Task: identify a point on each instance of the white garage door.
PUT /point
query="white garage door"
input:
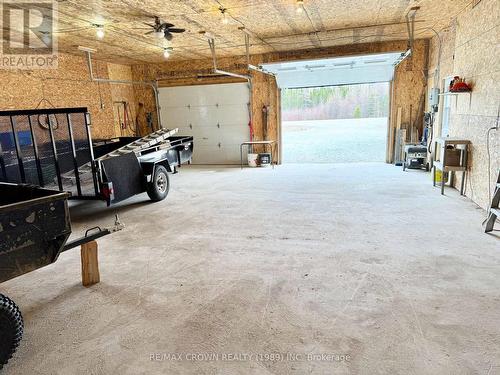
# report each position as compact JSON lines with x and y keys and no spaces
{"x":215,"y":115}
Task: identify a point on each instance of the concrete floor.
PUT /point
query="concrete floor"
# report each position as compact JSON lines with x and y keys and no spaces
{"x":347,"y":260}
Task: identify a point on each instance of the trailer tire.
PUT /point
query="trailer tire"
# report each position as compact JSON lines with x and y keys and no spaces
{"x":11,"y":329}
{"x":158,"y":187}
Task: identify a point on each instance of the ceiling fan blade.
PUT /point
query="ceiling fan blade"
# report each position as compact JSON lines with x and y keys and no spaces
{"x":168,"y":36}
{"x":148,"y":24}
{"x":149,"y":32}
{"x":167,"y":25}
{"x":175,"y":30}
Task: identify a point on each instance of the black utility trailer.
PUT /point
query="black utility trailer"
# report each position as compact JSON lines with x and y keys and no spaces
{"x":53,"y":148}
{"x":34,"y":229}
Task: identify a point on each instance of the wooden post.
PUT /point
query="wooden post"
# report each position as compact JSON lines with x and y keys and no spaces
{"x":90,"y":264}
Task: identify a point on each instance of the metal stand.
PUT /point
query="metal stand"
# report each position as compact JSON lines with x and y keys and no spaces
{"x":443,"y":165}
{"x":270,"y":144}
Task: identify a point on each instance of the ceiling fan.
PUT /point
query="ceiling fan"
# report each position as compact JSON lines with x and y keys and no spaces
{"x":163,"y":29}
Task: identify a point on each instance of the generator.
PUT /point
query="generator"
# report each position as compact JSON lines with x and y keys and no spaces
{"x":265,"y":159}
{"x":415,"y":157}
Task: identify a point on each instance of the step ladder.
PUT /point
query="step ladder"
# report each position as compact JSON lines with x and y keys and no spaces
{"x":151,"y":140}
{"x":494,"y":212}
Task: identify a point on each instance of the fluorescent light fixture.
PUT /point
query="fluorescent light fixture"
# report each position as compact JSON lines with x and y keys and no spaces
{"x":287,"y":69}
{"x":159,"y":34}
{"x":344,"y":64}
{"x":87,"y":49}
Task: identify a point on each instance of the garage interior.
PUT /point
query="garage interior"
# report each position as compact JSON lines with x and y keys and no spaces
{"x":360,"y":268}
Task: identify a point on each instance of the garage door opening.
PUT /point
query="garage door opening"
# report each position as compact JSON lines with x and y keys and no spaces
{"x":335,"y":110}
{"x":335,"y":124}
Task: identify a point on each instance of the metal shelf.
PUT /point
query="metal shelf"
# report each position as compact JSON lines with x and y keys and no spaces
{"x":455,"y":93}
{"x":449,"y":168}
{"x":440,"y":163}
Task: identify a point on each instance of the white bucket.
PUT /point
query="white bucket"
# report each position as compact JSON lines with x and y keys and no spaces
{"x":253,"y":160}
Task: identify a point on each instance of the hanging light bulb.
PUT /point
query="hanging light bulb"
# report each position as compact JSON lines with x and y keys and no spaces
{"x":225,"y":19}
{"x":99,"y":31}
{"x":166,"y":52}
{"x":299,"y":6}
{"x":159,"y":34}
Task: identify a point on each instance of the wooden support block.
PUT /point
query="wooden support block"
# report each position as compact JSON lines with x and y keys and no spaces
{"x":90,"y":264}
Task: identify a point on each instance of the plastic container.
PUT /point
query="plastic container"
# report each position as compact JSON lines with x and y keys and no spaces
{"x":439,"y":176}
{"x":253,"y":160}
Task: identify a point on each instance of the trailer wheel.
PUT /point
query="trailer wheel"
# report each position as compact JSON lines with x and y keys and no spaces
{"x":11,"y":329}
{"x":158,"y":187}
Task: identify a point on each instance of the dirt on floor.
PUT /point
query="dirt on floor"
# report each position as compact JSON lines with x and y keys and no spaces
{"x":315,"y":269}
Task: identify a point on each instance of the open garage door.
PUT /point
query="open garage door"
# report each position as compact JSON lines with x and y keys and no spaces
{"x":335,"y":124}
{"x":348,"y":70}
{"x":335,"y":110}
{"x":215,"y":115}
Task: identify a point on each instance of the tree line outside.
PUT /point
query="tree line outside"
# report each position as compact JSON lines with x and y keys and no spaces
{"x":336,"y":102}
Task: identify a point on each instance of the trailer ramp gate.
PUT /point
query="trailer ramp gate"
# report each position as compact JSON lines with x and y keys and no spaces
{"x":45,"y":147}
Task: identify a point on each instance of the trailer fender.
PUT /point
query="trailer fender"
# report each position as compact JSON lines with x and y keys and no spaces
{"x":148,"y":168}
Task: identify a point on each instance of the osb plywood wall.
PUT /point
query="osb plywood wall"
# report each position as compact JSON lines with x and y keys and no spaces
{"x":123,"y":97}
{"x":70,"y":86}
{"x":409,"y":81}
{"x":470,"y":49}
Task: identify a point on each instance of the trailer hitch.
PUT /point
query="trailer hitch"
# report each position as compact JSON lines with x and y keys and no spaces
{"x":94,"y":233}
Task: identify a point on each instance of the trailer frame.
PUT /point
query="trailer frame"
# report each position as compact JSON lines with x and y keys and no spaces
{"x":68,"y":159}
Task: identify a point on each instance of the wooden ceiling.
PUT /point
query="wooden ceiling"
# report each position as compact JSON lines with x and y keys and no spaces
{"x":275,"y":25}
